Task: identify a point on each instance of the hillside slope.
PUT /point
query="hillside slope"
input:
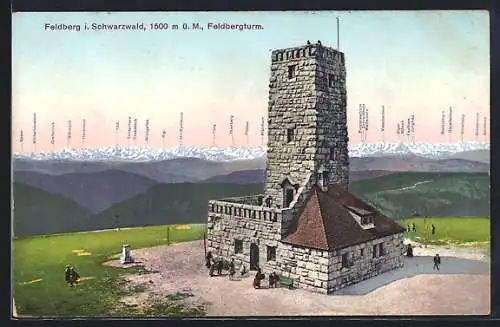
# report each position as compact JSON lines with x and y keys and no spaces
{"x":94,"y":191}
{"x":433,"y":194}
{"x":38,"y":212}
{"x":168,"y":203}
{"x":256,"y":176}
{"x":396,"y":194}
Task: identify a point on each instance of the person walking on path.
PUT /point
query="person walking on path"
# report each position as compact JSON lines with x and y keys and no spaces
{"x":437,"y":262}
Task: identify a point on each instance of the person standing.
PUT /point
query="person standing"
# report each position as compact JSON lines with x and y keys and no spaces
{"x":413,"y":227}
{"x":433,"y":229}
{"x":259,"y":276}
{"x":220,"y":266}
{"x":232,"y":269}
{"x":208,"y":259}
{"x":437,"y":261}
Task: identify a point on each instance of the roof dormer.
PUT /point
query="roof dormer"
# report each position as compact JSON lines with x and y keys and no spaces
{"x":363,"y":217}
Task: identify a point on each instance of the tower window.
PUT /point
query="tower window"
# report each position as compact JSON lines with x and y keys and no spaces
{"x":333,"y":154}
{"x":290,"y":134}
{"x":291,"y":71}
{"x":331,"y":80}
{"x":288,"y":197}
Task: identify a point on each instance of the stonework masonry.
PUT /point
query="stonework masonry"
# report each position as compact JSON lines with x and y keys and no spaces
{"x":307,"y":145}
{"x":364,"y":265}
{"x":307,"y":96}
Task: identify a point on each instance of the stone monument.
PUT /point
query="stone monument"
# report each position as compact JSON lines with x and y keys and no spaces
{"x":126,"y":257}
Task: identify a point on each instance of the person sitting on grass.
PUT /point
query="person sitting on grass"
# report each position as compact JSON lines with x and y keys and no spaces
{"x":67,"y":274}
{"x":259,"y":276}
{"x":74,"y":277}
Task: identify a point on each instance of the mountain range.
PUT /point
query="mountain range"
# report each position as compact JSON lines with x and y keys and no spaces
{"x":97,"y":185}
{"x":65,"y":195}
{"x":396,"y":194}
{"x":117,"y":153}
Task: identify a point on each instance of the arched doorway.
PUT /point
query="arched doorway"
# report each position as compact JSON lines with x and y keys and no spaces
{"x":254,"y":256}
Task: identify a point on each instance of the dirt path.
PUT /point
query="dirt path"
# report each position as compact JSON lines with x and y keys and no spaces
{"x":462,"y":286}
{"x":408,"y":187}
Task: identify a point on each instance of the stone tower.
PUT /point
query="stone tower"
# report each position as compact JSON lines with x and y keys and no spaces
{"x":307,"y":120}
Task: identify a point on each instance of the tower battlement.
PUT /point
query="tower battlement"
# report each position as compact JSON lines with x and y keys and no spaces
{"x":314,"y":51}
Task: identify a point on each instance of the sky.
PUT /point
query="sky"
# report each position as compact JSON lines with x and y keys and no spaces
{"x":419,"y":62}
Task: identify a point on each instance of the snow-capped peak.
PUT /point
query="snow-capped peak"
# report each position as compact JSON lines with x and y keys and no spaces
{"x":430,"y":150}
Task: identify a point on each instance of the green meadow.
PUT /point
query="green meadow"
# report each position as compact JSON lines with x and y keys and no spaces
{"x":38,"y":272}
{"x":455,"y":231}
{"x":39,"y":261}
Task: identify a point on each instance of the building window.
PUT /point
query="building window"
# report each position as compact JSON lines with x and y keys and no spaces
{"x":365,"y":220}
{"x":381,"y":249}
{"x":288,"y":193}
{"x":346,"y":260}
{"x":362,"y":252}
{"x":375,"y":251}
{"x":271,"y":253}
{"x":331,"y":80}
{"x":238,"y":246}
{"x":291,"y":71}
{"x":290,"y":133}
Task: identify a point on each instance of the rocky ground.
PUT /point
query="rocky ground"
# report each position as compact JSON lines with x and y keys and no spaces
{"x":462,"y":286}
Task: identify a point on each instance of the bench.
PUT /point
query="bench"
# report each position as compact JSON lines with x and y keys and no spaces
{"x":286,"y":281}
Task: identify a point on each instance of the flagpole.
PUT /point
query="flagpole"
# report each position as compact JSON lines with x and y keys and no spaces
{"x":338,"y":34}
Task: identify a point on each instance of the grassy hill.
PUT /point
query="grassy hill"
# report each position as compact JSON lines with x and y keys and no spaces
{"x":38,"y":272}
{"x":39,"y":212}
{"x":432,"y":194}
{"x":397,"y":195}
{"x":94,"y":191}
{"x":454,"y":231}
{"x":168,"y":204}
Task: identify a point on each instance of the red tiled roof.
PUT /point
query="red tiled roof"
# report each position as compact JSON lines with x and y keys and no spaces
{"x":324,"y":221}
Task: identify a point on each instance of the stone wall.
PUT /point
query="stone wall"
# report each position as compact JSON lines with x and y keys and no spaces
{"x":314,"y":109}
{"x":332,"y":136}
{"x":364,"y":266}
{"x":228,"y":221}
{"x":309,"y":267}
